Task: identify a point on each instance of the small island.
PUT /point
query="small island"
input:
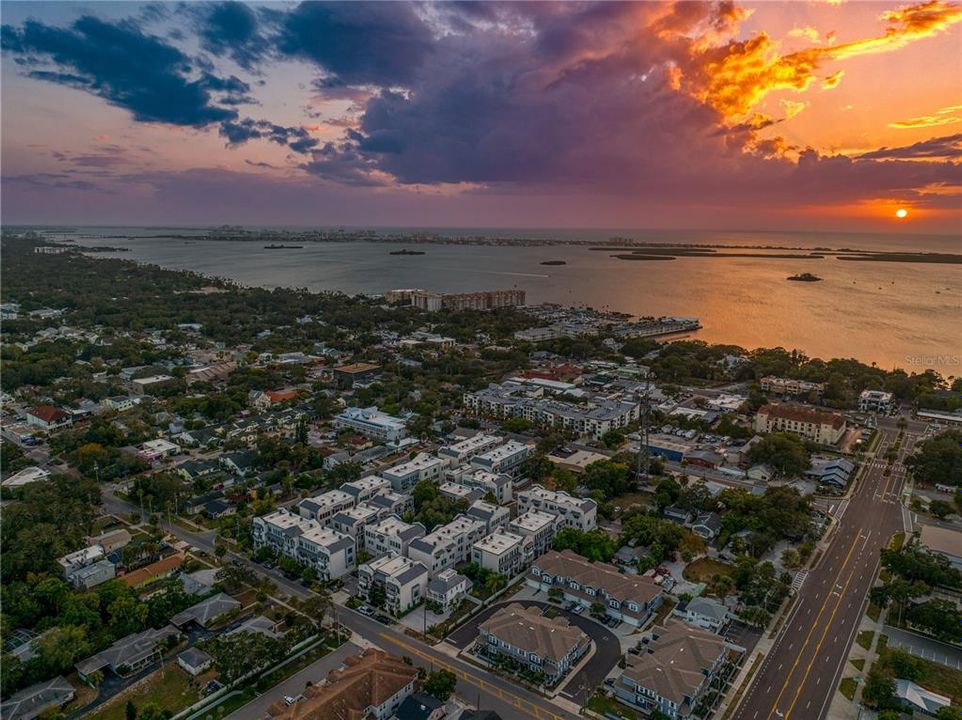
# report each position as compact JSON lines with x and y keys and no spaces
{"x":554,"y":262}
{"x":407,"y":252}
{"x":805,"y":277}
{"x":283,"y":247}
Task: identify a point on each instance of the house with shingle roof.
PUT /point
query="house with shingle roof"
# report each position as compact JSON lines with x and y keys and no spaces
{"x":128,"y":654}
{"x":547,"y":645}
{"x":631,"y":598}
{"x":371,"y":685}
{"x":676,"y":671}
{"x":206,"y":611}
{"x":37,"y":699}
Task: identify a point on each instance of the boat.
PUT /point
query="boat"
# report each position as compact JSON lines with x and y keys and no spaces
{"x":283,"y":247}
{"x":805,"y":277}
{"x":553,"y":262}
{"x":407,"y":252}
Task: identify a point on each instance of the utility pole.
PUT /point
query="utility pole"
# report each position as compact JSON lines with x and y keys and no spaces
{"x":644,"y":460}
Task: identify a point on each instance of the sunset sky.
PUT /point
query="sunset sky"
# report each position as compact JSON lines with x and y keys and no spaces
{"x":767,"y":115}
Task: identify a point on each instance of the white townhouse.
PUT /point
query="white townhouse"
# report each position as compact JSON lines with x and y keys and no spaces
{"x":447,"y":545}
{"x":325,"y":506}
{"x":507,"y":459}
{"x":461,"y":452}
{"x":499,"y":552}
{"x":406,"y":475}
{"x":577,"y":513}
{"x":391,"y":535}
{"x":405,"y":581}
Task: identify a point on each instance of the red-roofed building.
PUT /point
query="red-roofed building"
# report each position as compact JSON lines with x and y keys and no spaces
{"x":824,"y":428}
{"x":270,"y":398}
{"x":47,"y":417}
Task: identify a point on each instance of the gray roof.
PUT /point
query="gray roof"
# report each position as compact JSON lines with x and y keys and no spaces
{"x":206,"y":610}
{"x":412,"y":573}
{"x":706,"y":607}
{"x":441,"y":585}
{"x":195,"y":657}
{"x":258,"y":624}
{"x":32,"y":701}
{"x":926,"y":700}
{"x":127,"y":651}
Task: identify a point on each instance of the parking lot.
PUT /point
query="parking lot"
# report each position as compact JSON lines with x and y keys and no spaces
{"x":738,"y":633}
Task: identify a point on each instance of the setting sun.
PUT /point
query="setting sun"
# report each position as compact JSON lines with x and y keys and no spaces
{"x":901,"y":213}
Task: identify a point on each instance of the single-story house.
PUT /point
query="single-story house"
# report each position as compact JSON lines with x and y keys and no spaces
{"x":918,"y":698}
{"x":194,"y":661}
{"x":37,"y":700}
{"x":129,"y":654}
{"x":206,"y":612}
{"x":707,"y":526}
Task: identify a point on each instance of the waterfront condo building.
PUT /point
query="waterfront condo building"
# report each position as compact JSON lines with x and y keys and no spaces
{"x":820,"y":427}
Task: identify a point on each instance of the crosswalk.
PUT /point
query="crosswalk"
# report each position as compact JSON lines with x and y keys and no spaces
{"x":799,"y":578}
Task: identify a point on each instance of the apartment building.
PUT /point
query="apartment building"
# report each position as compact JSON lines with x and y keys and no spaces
{"x":594,"y":417}
{"x":507,"y":459}
{"x":406,"y":475}
{"x":501,"y":552}
{"x":631,"y":598}
{"x":447,"y":545}
{"x":352,"y":522}
{"x":330,"y":553}
{"x":577,"y":513}
{"x":674,"y":672}
{"x":404,"y":581}
{"x":460,"y":492}
{"x":462,"y":452}
{"x":820,"y":427}
{"x":371,"y":423}
{"x":279,"y":531}
{"x":391,"y":535}
{"x":371,"y":685}
{"x":366,"y":488}
{"x":546,"y":645}
{"x":493,"y":516}
{"x":790,"y":386}
{"x":325,"y":506}
{"x":538,"y":529}
{"x":447,"y":588}
{"x":499,"y":485}
{"x":875,"y":401}
{"x":392,"y":503}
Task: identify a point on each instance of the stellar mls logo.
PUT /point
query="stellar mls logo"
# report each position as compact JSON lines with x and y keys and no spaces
{"x":933,"y":360}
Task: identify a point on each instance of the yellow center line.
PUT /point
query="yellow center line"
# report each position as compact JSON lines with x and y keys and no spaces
{"x":519,"y":702}
{"x":821,"y":640}
{"x":808,"y":637}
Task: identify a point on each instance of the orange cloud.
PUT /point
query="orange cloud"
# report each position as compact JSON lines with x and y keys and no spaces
{"x":941,"y":117}
{"x":832,"y":80}
{"x":808,"y":33}
{"x":734,"y":77}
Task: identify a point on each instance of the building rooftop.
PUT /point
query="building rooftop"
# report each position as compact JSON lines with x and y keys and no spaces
{"x":802,"y":414}
{"x":598,"y":575}
{"x":529,"y":630}
{"x":499,"y":542}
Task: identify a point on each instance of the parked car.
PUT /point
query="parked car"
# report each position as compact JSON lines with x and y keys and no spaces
{"x":578,"y":610}
{"x":289,"y":700}
{"x":366,"y":610}
{"x":384,"y":619}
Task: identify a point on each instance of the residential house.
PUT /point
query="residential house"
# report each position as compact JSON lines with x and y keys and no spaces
{"x":40,"y":699}
{"x":325,"y":506}
{"x":165,"y":567}
{"x":111,"y":540}
{"x":129,"y":654}
{"x":207,"y":612}
{"x":919,"y":699}
{"x":421,"y":706}
{"x":464,"y":450}
{"x":875,"y":401}
{"x":447,"y":545}
{"x":707,"y":526}
{"x":507,"y":459}
{"x":538,"y":529}
{"x":352,"y":521}
{"x":194,"y":661}
{"x":329,"y":552}
{"x":545,"y":645}
{"x":761,"y":472}
{"x":460,"y":492}
{"x":493,"y":516}
{"x":366,"y":488}
{"x":47,"y":417}
{"x":835,"y":472}
{"x":447,"y":588}
{"x":500,"y":486}
{"x":404,"y":476}
{"x":704,"y":613}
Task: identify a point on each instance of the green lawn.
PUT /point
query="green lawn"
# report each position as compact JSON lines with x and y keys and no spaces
{"x":874,"y":611}
{"x":602,"y":704}
{"x":859,"y":663}
{"x":704,"y":569}
{"x":169,"y":689}
{"x":847,"y":687}
{"x":864,"y":638}
{"x":935,"y":677}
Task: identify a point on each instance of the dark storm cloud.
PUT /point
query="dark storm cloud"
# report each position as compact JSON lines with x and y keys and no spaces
{"x":381,"y":43}
{"x":241,"y":131}
{"x":235,"y":30}
{"x":128,"y":68}
{"x":948,"y":147}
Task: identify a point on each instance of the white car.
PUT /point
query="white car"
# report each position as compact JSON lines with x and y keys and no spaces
{"x":288,"y":700}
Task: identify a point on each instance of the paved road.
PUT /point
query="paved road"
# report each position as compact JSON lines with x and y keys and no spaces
{"x":476,"y":686}
{"x":295,"y":684}
{"x":924,"y":647}
{"x":799,"y":676}
{"x":583,"y":684}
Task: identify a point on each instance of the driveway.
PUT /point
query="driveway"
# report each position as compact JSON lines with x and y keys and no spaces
{"x":582,"y":685}
{"x":924,"y":647}
{"x":295,"y":684}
